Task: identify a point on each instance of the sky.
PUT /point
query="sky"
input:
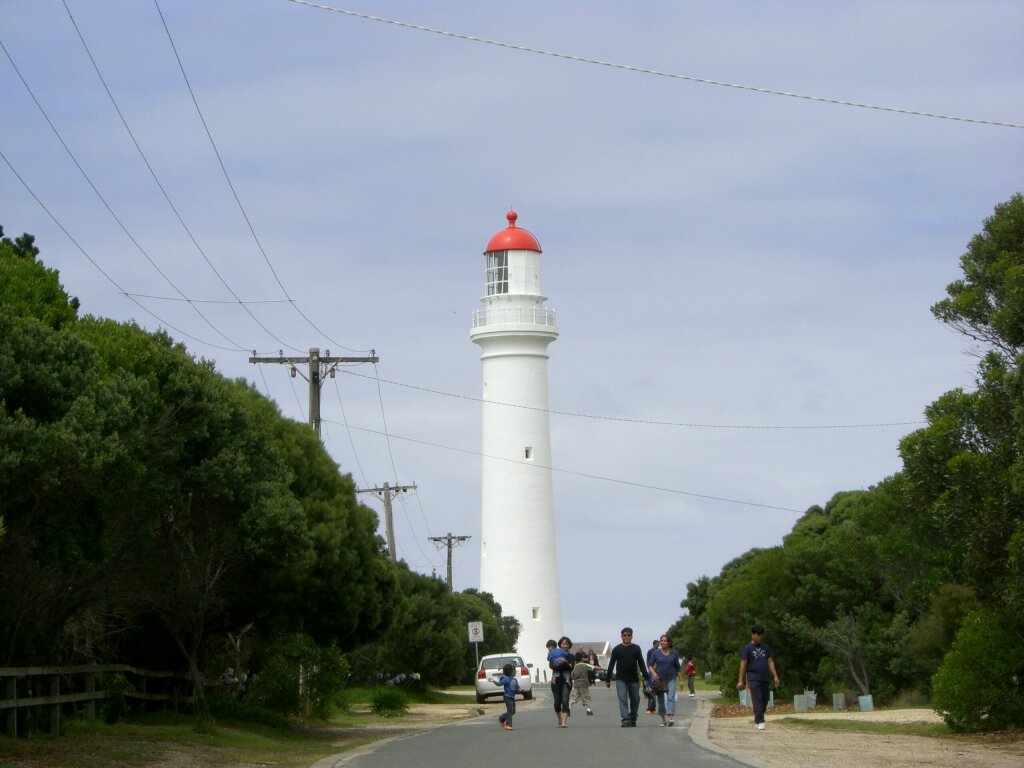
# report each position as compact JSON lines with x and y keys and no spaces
{"x":742,"y":279}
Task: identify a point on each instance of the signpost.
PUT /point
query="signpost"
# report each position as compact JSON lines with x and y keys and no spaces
{"x":476,"y":635}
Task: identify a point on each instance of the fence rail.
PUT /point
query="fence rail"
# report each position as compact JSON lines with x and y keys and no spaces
{"x":175,"y":688}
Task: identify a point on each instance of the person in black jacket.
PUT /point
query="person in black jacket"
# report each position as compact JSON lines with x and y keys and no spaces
{"x":627,"y":664}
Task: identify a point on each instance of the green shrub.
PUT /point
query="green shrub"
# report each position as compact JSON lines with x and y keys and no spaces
{"x":115,"y":707}
{"x":301,"y":678}
{"x":980,"y":684}
{"x":389,"y":701}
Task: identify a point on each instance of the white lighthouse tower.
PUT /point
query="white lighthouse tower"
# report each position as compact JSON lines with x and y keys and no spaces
{"x":514,"y":329}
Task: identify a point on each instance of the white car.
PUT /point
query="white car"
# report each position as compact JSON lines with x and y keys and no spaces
{"x":490,"y":670}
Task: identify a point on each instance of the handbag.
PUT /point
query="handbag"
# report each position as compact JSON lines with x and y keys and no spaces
{"x":659,"y":686}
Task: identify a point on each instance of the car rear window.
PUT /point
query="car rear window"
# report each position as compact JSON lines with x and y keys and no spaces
{"x":500,"y":662}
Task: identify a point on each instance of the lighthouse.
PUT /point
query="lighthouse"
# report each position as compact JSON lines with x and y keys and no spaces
{"x":517,"y":552}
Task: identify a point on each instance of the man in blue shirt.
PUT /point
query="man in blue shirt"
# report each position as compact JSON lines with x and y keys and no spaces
{"x":755,"y":663}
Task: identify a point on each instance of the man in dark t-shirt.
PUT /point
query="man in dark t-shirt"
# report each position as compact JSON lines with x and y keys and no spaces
{"x":755,"y":664}
{"x":627,"y":664}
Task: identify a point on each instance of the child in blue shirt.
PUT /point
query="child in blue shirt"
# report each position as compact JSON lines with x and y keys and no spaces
{"x":511,"y":684}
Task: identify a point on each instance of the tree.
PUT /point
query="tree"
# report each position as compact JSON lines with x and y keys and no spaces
{"x":987,"y":304}
{"x":980,"y":685}
{"x":500,"y":632}
{"x":690,"y":634}
{"x":60,"y":452}
{"x":932,"y":636}
{"x":31,"y":289}
{"x":426,"y":634}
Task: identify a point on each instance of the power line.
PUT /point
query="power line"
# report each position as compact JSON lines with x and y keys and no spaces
{"x":163,"y":191}
{"x":231,"y":186}
{"x":587,"y":475}
{"x":652,"y":422}
{"x":405,"y":510}
{"x":655,"y":72}
{"x":107,"y":205}
{"x":206,"y":301}
{"x":95,"y":264}
{"x":351,"y":442}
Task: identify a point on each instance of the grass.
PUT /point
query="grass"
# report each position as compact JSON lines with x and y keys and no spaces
{"x":863,"y":726}
{"x":147,"y":739}
{"x":141,"y":743}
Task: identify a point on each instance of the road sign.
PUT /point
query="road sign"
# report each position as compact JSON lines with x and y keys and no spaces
{"x":476,"y":631}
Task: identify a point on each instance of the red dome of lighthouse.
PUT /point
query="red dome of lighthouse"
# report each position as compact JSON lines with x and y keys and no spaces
{"x":513,"y":238}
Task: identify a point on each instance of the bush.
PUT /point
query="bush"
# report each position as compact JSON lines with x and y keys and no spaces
{"x":301,"y":678}
{"x":980,"y":684}
{"x":115,"y":707}
{"x":389,"y":701}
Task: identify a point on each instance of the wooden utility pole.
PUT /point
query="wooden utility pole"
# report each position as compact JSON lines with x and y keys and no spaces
{"x":450,"y":542}
{"x":386,"y":493}
{"x":319,"y":368}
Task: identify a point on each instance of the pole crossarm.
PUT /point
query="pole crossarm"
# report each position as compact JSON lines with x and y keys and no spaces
{"x":386,"y":493}
{"x":450,"y":542}
{"x":320,"y":367}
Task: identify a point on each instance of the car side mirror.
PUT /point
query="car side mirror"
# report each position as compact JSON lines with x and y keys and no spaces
{"x":530,"y":666}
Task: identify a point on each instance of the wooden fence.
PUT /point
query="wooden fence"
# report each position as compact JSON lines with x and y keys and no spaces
{"x":27,"y":687}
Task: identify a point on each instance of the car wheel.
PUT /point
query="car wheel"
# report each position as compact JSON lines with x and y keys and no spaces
{"x":527,"y":695}
{"x":480,"y":699}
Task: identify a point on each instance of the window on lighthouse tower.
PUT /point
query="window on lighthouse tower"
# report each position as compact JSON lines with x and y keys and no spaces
{"x":497,"y":273}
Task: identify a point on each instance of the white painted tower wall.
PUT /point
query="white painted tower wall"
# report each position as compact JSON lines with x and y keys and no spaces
{"x":518,"y":557}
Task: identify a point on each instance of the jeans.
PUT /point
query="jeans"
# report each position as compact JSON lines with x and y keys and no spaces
{"x":510,"y":709}
{"x":758,"y":697}
{"x":667,"y":700}
{"x":562,"y":689}
{"x":629,"y":700}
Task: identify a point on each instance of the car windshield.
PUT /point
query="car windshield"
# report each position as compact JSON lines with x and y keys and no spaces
{"x":500,"y":661}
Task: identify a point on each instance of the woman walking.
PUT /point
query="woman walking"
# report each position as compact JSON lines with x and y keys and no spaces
{"x":561,"y":661}
{"x":665,"y":666}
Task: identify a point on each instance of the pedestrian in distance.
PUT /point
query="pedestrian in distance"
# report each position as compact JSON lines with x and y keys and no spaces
{"x":510,"y":683}
{"x":691,"y":673}
{"x":561,"y":661}
{"x":648,"y":692}
{"x":756,"y":662}
{"x":594,"y":663}
{"x":665,"y":666}
{"x":628,"y":665}
{"x":581,"y":675}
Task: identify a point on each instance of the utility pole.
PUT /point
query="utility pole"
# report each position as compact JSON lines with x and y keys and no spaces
{"x":450,"y":542}
{"x":319,"y":369}
{"x":386,"y":493}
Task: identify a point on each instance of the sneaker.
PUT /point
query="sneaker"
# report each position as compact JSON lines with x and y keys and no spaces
{"x":693,"y":695}
{"x":671,"y":723}
{"x":624,"y":725}
{"x":760,"y":726}
{"x":590,"y":712}
{"x":661,"y":724}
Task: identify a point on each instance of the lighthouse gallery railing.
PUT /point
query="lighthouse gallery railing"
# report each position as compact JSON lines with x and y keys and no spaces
{"x":510,"y":315}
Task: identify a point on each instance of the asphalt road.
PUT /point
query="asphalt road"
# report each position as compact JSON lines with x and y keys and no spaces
{"x":536,"y":742}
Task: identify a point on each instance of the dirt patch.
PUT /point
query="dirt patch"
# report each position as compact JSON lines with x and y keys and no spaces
{"x":793,"y":745}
